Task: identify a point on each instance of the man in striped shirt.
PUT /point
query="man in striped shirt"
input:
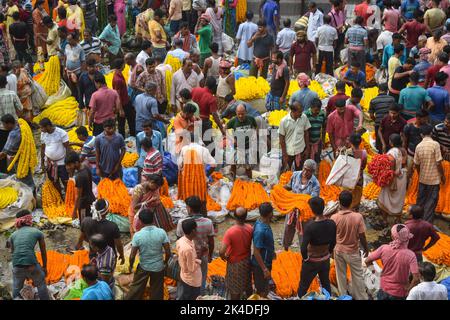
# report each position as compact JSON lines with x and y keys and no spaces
{"x":441,"y":134}
{"x":105,"y":258}
{"x":153,"y":163}
{"x":379,"y":108}
{"x":91,"y":46}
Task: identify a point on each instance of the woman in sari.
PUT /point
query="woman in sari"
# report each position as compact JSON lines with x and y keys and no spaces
{"x":147,"y":196}
{"x":24,"y":90}
{"x":392,"y":196}
{"x":215,"y":14}
{"x":39,"y":28}
{"x":75,"y":18}
{"x":119,"y":11}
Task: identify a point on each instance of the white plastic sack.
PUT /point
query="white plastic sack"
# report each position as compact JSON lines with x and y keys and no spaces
{"x":344,"y":55}
{"x":372,"y":278}
{"x":227,"y":42}
{"x":170,"y":143}
{"x":345,"y":172}
{"x":24,"y":200}
{"x":381,"y":76}
{"x":63,"y":93}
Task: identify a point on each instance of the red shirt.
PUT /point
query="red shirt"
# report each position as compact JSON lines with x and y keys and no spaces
{"x":389,"y":127}
{"x":239,"y":242}
{"x":303,"y":54}
{"x":413,"y":30}
{"x":120,"y":85}
{"x":422,"y":230}
{"x":431,"y":73}
{"x":63,"y":23}
{"x":102,"y":103}
{"x":363,"y":10}
{"x":331,"y":105}
{"x":207,"y":103}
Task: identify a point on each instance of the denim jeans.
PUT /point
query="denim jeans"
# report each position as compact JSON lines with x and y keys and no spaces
{"x":204,"y":268}
{"x":186,"y":292}
{"x":36,"y":274}
{"x":381,"y":295}
{"x":428,"y":198}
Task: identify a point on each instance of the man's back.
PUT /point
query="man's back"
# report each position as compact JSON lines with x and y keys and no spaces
{"x":205,"y":229}
{"x":428,"y":291}
{"x":99,"y":291}
{"x":108,"y":229}
{"x":349,"y":225}
{"x":24,"y":240}
{"x":150,"y":240}
{"x":422,"y":230}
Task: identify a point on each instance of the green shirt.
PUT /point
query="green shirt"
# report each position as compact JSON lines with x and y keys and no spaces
{"x":317,"y":125}
{"x":24,"y":240}
{"x":150,"y":240}
{"x":204,"y":42}
{"x":241,"y":129}
{"x":413,"y":97}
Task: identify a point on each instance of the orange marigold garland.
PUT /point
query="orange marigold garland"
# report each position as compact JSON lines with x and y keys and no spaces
{"x":371,"y":191}
{"x":285,"y":177}
{"x":328,"y":193}
{"x":192,"y":179}
{"x":164,"y":190}
{"x":52,"y":203}
{"x":167,"y":202}
{"x":285,"y":202}
{"x":212,"y":205}
{"x":117,"y":195}
{"x":440,"y":252}
{"x":247,"y":194}
{"x":57,"y":263}
{"x":70,"y":196}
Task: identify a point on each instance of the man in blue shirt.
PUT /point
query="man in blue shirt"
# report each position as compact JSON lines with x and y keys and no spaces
{"x":354,"y":77}
{"x":388,"y":51}
{"x":271,"y":15}
{"x":263,"y":250}
{"x":151,"y":242}
{"x":408,"y":7}
{"x":440,"y":98}
{"x":304,"y":96}
{"x":97,"y":289}
{"x":156,"y":142}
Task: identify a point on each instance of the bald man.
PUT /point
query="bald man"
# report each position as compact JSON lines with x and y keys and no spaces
{"x":244,"y":130}
{"x":236,"y":250}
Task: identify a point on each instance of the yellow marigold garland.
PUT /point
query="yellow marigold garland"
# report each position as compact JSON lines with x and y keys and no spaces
{"x":51,"y":77}
{"x":250,"y":88}
{"x":62,"y":113}
{"x":73,"y":137}
{"x":8,"y":196}
{"x":129,"y":159}
{"x":26,"y":155}
{"x":274,"y":117}
{"x":52,"y":203}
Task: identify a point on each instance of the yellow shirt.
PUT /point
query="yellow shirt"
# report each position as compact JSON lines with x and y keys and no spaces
{"x":154,"y":27}
{"x":9,"y":19}
{"x":393,"y":64}
{"x":52,"y":49}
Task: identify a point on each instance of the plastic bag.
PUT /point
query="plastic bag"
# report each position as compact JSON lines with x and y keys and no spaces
{"x":446,"y":283}
{"x":38,"y":97}
{"x":24,"y":201}
{"x":381,"y":76}
{"x":76,"y":291}
{"x":344,"y":55}
{"x":324,"y":295}
{"x":130,"y":177}
{"x":227,"y":42}
{"x":122,"y":222}
{"x":345,"y":172}
{"x":63,"y":93}
{"x":170,"y":169}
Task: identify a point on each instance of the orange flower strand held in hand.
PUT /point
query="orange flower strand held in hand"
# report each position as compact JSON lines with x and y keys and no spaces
{"x":285,"y":177}
{"x":70,"y":196}
{"x":328,"y":193}
{"x":285,"y":202}
{"x":117,"y":195}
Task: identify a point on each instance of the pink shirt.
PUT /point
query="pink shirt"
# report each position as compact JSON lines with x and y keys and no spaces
{"x":397,"y":265}
{"x":190,"y":271}
{"x":349,"y":225}
{"x":342,"y":127}
{"x":102,"y":103}
{"x":391,"y":17}
{"x":337,"y":18}
{"x":446,"y":69}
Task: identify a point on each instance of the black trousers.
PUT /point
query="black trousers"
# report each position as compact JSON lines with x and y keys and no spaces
{"x":328,"y":57}
{"x":130,"y":117}
{"x":309,"y":271}
{"x":339,"y":47}
{"x":3,"y":138}
{"x":23,"y":55}
{"x":162,"y":107}
{"x":378,"y":144}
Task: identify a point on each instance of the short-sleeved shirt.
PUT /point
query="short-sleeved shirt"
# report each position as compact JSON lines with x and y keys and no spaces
{"x":391,"y":17}
{"x":110,"y":151}
{"x":113,"y":36}
{"x":397,"y":266}
{"x":400,"y":83}
{"x":146,"y":106}
{"x":408,"y":7}
{"x":262,"y":46}
{"x":349,"y":225}
{"x":413,"y":30}
{"x":302,"y":54}
{"x":356,"y":36}
{"x":99,"y":291}
{"x":317,"y":125}
{"x":242,"y":129}
{"x":305,"y":97}
{"x":277,"y":85}
{"x":150,"y":240}
{"x":75,"y":56}
{"x":440,"y":98}
{"x":153,"y":163}
{"x":331,"y":105}
{"x":342,"y":127}
{"x":24,"y":240}
{"x":422,"y":231}
{"x":326,"y":35}
{"x":380,"y":106}
{"x":108,"y":229}
{"x":54,"y":145}
{"x":294,"y":133}
{"x":88,"y":150}
{"x":414,"y":136}
{"x":18,"y":32}
{"x":363,"y":10}
{"x":154,"y":27}
{"x":427,"y":155}
{"x":312,"y":187}
{"x":442,"y":135}
{"x":156,"y":143}
{"x":120,"y":85}
{"x":102,"y":103}
{"x":263,"y":240}
{"x":87,"y":87}
{"x":52,"y":49}
{"x":205,"y":40}
{"x":436,"y":18}
{"x":238,"y":239}
{"x":389,"y":127}
{"x":428,"y":290}
{"x":83,"y":180}
{"x":205,"y":229}
{"x":413,"y":97}
{"x":106,"y":262}
{"x":205,"y":100}
{"x":270,"y":11}
{"x":359,"y":78}
{"x":92,"y":47}
{"x":12,"y":145}
{"x":393,"y":64}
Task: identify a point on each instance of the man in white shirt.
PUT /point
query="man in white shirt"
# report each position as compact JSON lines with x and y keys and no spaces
{"x":245,"y":32}
{"x":10,"y":77}
{"x":285,"y":38}
{"x":326,"y":42}
{"x":145,"y":53}
{"x":383,"y":40}
{"x":428,"y":289}
{"x":54,"y":147}
{"x":314,"y":22}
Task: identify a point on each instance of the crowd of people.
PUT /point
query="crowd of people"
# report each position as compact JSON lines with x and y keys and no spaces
{"x":410,"y":114}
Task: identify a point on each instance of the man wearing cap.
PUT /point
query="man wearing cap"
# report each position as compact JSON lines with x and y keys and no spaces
{"x":303,"y":53}
{"x":204,"y":30}
{"x":226,"y":84}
